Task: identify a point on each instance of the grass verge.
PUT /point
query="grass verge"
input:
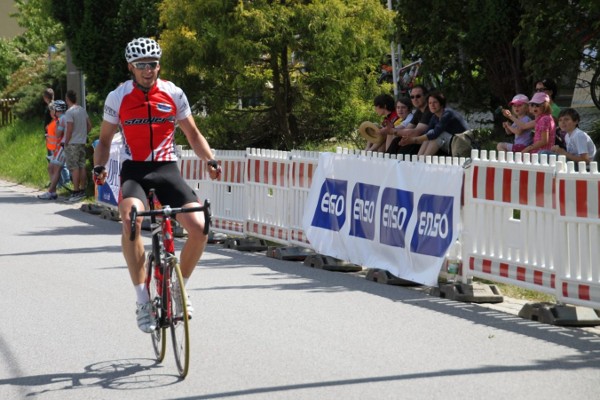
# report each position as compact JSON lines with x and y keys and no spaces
{"x":23,"y":153}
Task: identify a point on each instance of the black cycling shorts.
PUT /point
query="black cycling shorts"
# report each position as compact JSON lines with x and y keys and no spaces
{"x":138,"y":177}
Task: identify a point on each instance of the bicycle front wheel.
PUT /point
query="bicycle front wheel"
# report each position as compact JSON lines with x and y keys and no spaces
{"x":153,"y":285}
{"x":180,"y":332}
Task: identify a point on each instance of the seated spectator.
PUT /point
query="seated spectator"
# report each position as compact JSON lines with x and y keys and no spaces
{"x":545,"y":127}
{"x":580,"y":146}
{"x":404,"y":109}
{"x":444,"y":124}
{"x":417,"y":125}
{"x":521,"y":126}
{"x":548,"y":86}
{"x":384,"y":106}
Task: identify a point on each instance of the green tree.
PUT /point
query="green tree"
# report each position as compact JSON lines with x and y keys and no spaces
{"x":98,"y":31}
{"x":41,"y":29}
{"x":276,"y":74}
{"x":486,"y":50}
{"x":26,"y":67}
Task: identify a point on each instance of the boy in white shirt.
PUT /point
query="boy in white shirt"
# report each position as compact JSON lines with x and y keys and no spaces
{"x":580,"y":146}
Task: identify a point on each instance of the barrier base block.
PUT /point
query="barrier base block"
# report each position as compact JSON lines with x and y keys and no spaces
{"x":246,"y":244}
{"x":330,"y":263}
{"x":216,"y":237}
{"x":92,"y":208}
{"x":178,"y":230}
{"x":560,"y":314}
{"x":475,"y":292}
{"x":292,"y":253}
{"x":387,"y":278}
{"x":110,"y":214}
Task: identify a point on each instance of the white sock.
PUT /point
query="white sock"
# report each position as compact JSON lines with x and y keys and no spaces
{"x":141,"y":293}
{"x":185,"y":281}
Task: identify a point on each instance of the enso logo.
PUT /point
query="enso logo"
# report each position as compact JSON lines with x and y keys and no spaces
{"x":331,"y":208}
{"x":364,"y":202}
{"x":434,"y":225}
{"x":396,"y":208}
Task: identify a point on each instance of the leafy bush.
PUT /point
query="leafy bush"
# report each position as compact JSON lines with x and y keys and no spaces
{"x":29,"y":81}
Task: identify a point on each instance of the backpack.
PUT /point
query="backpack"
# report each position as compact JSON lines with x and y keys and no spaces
{"x":462,"y":144}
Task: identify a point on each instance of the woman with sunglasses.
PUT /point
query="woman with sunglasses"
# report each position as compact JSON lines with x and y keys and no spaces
{"x":545,"y":127}
{"x":549,"y":87}
{"x":444,"y":124}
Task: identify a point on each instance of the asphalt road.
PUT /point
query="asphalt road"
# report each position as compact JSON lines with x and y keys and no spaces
{"x":263,"y":328}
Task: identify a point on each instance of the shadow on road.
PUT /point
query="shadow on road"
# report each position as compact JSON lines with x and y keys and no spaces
{"x":567,"y":363}
{"x":316,"y":280}
{"x":129,"y":374}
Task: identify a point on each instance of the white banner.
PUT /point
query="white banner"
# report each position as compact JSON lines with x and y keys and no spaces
{"x":380,"y":213}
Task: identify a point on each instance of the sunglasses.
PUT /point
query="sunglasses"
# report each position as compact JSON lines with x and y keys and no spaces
{"x":539,"y":90}
{"x":145,"y":64}
{"x":534,"y":105}
{"x":416,"y":96}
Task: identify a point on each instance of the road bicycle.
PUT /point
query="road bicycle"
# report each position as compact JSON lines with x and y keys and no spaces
{"x":165,"y":282}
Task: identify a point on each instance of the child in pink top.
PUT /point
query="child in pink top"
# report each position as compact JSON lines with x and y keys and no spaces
{"x":545,"y":127}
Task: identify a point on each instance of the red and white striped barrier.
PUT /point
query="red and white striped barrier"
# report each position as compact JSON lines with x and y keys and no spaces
{"x":527,"y":220}
{"x":578,"y":200}
{"x":509,"y":220}
{"x":267,"y":189}
{"x":304,"y":164}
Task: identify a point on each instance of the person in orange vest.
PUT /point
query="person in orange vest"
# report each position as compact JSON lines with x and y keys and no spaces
{"x":52,"y":141}
{"x":57,"y":161}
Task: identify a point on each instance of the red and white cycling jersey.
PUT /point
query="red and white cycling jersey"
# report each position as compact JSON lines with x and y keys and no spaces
{"x":147,"y":119}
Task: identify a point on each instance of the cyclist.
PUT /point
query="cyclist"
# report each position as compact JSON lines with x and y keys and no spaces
{"x":147,"y":108}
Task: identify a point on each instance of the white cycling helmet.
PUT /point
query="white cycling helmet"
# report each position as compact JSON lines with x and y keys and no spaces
{"x":60,"y":106}
{"x":142,"y":48}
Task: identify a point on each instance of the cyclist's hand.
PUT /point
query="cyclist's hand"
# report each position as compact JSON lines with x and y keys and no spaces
{"x":214,"y":169}
{"x":99,"y":175}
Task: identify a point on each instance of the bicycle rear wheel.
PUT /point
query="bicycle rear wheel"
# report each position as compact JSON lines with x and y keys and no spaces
{"x":153,"y":283}
{"x":180,"y":332}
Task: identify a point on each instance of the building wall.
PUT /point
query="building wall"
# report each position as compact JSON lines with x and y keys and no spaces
{"x":8,"y":25}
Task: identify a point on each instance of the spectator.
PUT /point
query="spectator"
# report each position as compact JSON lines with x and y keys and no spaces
{"x":78,"y":126}
{"x":521,"y":127}
{"x":444,"y":124}
{"x":549,"y":87}
{"x":580,"y":146}
{"x":48,"y":97}
{"x":404,"y":109}
{"x":545,"y":127}
{"x":57,"y":160}
{"x":384,"y":106}
{"x":417,"y":126}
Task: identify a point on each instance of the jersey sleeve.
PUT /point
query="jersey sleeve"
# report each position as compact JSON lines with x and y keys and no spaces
{"x":183,"y":106}
{"x":111,"y":108}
